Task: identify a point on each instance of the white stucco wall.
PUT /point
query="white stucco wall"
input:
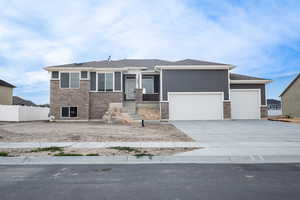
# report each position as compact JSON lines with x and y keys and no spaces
{"x":23,"y":113}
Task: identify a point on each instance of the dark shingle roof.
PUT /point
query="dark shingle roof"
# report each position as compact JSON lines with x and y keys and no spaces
{"x":149,"y":63}
{"x":273,"y":101}
{"x":6,"y":84}
{"x":19,"y":101}
{"x":243,"y":77}
{"x":288,"y":87}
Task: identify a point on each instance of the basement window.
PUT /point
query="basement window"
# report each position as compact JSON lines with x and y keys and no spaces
{"x":69,"y":111}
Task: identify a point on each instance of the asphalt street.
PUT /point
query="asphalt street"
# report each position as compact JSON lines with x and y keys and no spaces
{"x":152,"y":181}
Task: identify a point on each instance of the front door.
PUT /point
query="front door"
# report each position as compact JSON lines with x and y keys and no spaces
{"x":130,"y":85}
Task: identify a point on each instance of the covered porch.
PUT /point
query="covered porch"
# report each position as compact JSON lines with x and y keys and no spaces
{"x":141,"y":86}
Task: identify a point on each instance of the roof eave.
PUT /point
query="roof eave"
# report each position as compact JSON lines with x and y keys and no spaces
{"x":287,"y":88}
{"x":256,"y":81}
{"x":183,"y":67}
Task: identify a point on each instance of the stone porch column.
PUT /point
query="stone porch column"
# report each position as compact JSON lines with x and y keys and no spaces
{"x":227,"y":109}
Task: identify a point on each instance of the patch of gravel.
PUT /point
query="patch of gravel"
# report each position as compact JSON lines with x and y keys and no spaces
{"x":89,"y":132}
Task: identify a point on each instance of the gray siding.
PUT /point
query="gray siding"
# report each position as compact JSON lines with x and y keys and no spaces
{"x":262,"y":88}
{"x":194,"y":81}
{"x":117,"y":81}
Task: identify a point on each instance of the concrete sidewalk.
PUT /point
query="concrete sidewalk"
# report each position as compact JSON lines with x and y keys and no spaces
{"x":83,"y":160}
{"x":90,"y":145}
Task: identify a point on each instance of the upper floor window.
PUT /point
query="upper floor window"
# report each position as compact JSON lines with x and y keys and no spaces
{"x":55,"y":75}
{"x":69,"y":80}
{"x":102,"y":82}
{"x":84,"y":75}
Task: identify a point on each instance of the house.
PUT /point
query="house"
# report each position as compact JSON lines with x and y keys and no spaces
{"x":274,"y":107}
{"x":274,"y":104}
{"x":290,"y":98}
{"x":180,"y":90}
{"x":22,"y":102}
{"x":6,"y":93}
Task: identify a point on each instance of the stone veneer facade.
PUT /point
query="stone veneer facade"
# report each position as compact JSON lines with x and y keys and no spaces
{"x":226,"y":109}
{"x":164,"y":110}
{"x":90,"y":105}
{"x":99,"y":102}
{"x":70,"y":97}
{"x":263,"y":111}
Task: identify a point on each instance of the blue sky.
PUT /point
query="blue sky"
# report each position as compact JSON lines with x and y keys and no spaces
{"x":262,"y":38}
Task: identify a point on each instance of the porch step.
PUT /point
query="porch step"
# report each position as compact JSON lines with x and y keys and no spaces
{"x":129,"y":107}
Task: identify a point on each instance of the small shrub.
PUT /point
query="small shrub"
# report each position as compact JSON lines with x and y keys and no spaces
{"x":52,"y":149}
{"x":3,"y":154}
{"x":67,"y":154}
{"x":140,"y":155}
{"x":128,"y":149}
{"x":92,"y":154}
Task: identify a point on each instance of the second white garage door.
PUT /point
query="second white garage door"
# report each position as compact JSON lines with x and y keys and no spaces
{"x":245,"y":104}
{"x":196,"y":106}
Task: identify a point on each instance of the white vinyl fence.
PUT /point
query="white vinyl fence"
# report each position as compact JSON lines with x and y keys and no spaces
{"x":23,"y":113}
{"x":274,"y":112}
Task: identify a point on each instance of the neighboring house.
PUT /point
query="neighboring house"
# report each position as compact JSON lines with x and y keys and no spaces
{"x":181,"y":90}
{"x":22,"y":102}
{"x":274,"y":107}
{"x":6,"y":93}
{"x":290,"y":98}
{"x":274,"y":104}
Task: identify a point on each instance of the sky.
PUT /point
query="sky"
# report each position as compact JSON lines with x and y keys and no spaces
{"x":261,"y":38}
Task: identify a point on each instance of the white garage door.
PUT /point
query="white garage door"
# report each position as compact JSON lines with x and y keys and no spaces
{"x":195,"y":106}
{"x":245,"y":104}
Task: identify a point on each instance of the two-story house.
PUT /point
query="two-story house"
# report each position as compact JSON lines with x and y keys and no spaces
{"x":181,"y":90}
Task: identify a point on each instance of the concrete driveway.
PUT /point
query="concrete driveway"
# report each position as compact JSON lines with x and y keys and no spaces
{"x":243,"y":137}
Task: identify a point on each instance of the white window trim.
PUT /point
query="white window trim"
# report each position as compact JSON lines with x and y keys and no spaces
{"x":104,"y":82}
{"x":69,"y":80}
{"x":56,"y":79}
{"x":88,"y":75}
{"x":121,"y":89}
{"x":69,"y":112}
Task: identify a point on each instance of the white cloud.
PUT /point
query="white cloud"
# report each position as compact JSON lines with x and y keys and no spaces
{"x":38,"y":33}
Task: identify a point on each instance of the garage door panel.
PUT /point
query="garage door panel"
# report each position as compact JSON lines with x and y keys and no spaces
{"x":245,"y":104}
{"x":195,"y":106}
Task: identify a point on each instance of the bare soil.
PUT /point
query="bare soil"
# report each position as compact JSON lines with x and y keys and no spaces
{"x":89,"y":132}
{"x":100,"y":151}
{"x":285,"y":119}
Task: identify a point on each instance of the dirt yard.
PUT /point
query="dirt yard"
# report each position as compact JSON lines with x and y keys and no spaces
{"x":285,"y":119}
{"x":89,"y":132}
{"x":98,"y":152}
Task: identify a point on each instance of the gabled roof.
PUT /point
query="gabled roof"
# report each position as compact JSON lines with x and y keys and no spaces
{"x":148,"y":63}
{"x":6,"y":84}
{"x":273,"y":101}
{"x":288,"y":87}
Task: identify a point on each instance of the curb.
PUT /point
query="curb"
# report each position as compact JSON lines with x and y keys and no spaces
{"x":84,"y":160}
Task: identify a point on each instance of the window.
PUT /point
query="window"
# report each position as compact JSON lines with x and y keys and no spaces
{"x":109,"y":82}
{"x":55,"y":75}
{"x":65,"y":112}
{"x":93,"y":81}
{"x":73,"y":111}
{"x":102,"y":82}
{"x":69,"y":80}
{"x":148,"y":84}
{"x":84,"y":75}
{"x":69,"y":111}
